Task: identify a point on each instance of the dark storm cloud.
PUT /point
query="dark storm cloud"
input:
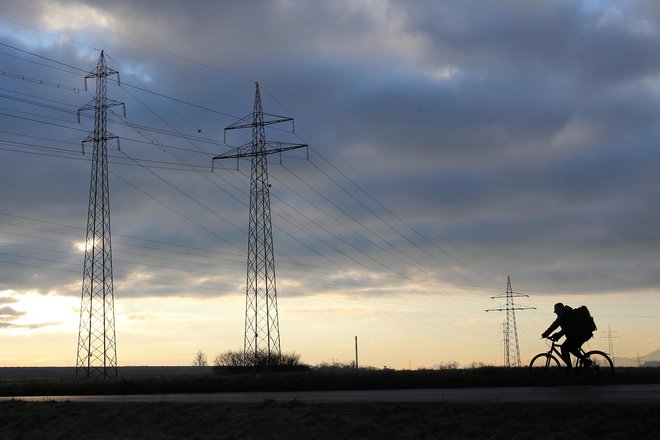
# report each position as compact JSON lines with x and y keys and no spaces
{"x":521,"y":133}
{"x":551,"y":38}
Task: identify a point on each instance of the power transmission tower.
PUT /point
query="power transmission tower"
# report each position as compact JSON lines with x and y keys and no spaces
{"x":509,"y":325}
{"x":505,"y":343}
{"x":610,"y":336}
{"x":97,"y":346}
{"x":261,"y":345}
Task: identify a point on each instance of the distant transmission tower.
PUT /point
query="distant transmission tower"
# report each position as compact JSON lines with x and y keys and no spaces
{"x":610,"y":336}
{"x":261,"y":344}
{"x":97,"y":347}
{"x":509,"y":325}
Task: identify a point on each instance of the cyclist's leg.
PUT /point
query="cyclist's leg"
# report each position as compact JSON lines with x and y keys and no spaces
{"x":570,"y":346}
{"x":580,"y":352}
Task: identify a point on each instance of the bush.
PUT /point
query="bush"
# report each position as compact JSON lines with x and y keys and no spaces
{"x":448,"y":365}
{"x":289,"y":360}
{"x":240,"y":361}
{"x":479,"y":366}
{"x":230,"y":359}
{"x":335,"y":365}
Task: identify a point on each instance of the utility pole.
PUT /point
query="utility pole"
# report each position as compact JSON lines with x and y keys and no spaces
{"x":97,"y":347}
{"x":356,"y":353}
{"x":261,"y":346}
{"x":509,"y":327}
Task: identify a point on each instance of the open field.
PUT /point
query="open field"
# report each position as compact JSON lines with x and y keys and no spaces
{"x":162,"y":381}
{"x":89,"y":421}
{"x":295,"y":420}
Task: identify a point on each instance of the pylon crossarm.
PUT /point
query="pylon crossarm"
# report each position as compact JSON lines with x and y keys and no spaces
{"x":243,"y":124}
{"x":242,"y":151}
{"x":504,"y":309}
{"x":280,"y":147}
{"x":279,"y":117}
{"x":513,"y":295}
{"x":113,"y":103}
{"x":97,"y":73}
{"x":92,"y":105}
{"x":238,"y":152}
{"x":91,"y":138}
{"x":101,"y":71}
{"x":89,"y":106}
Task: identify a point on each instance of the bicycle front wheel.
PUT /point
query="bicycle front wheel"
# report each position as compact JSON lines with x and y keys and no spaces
{"x":544,"y":362}
{"x":598,"y":362}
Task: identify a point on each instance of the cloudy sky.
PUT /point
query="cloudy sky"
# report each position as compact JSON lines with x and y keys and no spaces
{"x":452,"y":144}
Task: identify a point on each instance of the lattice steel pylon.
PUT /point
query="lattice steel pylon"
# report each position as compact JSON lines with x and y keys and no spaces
{"x":610,"y":335}
{"x":509,"y":325}
{"x":97,"y":344}
{"x":261,"y":344}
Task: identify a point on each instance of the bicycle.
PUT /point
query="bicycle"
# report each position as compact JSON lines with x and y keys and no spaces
{"x":593,"y":361}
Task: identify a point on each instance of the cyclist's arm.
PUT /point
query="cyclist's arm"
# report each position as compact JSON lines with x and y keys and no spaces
{"x":550,"y":329}
{"x":557,"y":336}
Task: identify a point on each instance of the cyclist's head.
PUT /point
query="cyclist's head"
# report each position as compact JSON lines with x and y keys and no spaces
{"x":558,"y":308}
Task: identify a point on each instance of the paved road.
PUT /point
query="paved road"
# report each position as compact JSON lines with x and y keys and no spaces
{"x":574,"y":394}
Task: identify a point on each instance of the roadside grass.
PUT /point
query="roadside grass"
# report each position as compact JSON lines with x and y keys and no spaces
{"x":296,"y":420}
{"x":319,"y":380}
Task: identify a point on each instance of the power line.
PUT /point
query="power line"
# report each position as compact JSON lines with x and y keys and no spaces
{"x":128,"y":241}
{"x":197,"y":139}
{"x":140,"y":127}
{"x":357,"y":221}
{"x":80,"y":70}
{"x":40,"y":82}
{"x":139,"y":163}
{"x":341,"y":173}
{"x":371,"y":211}
{"x":181,"y":101}
{"x":162,"y":280}
{"x":402,"y":221}
{"x":62,"y":153}
{"x":214,"y":183}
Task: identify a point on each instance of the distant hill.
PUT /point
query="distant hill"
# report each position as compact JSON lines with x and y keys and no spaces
{"x":650,"y":360}
{"x":654,"y":356}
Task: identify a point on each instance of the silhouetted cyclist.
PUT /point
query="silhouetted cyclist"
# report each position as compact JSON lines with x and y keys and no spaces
{"x":567,"y":320}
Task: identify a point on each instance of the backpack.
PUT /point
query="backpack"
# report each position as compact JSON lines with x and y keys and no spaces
{"x":584,"y":322}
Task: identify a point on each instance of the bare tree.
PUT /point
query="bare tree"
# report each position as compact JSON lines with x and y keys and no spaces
{"x":200,"y":359}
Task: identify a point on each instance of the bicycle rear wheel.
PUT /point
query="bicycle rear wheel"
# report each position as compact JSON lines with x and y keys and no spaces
{"x":544,"y":362}
{"x":597,"y":362}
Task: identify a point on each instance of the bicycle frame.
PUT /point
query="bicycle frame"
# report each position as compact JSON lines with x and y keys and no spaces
{"x":554,"y":349}
{"x":593,"y":360}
